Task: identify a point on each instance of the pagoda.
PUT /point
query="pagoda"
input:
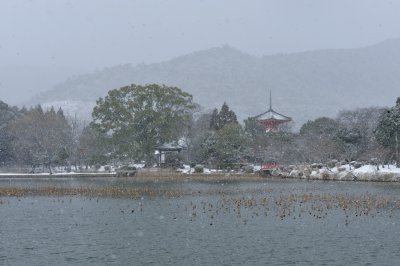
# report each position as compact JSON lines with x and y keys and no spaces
{"x":271,"y":119}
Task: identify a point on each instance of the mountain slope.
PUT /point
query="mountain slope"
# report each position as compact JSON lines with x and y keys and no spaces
{"x":304,"y":85}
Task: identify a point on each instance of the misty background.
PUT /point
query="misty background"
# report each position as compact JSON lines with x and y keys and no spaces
{"x":316,"y":56}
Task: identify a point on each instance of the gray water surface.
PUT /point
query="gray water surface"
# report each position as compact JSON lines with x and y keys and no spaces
{"x":195,"y":229}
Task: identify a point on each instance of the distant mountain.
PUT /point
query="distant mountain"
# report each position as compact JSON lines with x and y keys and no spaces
{"x":304,"y":85}
{"x":20,"y":83}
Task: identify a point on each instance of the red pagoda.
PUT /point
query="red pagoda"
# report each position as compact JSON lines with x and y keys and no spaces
{"x":271,"y":119}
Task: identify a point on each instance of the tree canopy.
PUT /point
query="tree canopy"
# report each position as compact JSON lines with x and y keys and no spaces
{"x":138,"y":118}
{"x":41,"y":137}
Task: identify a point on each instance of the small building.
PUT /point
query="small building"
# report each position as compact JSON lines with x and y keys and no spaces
{"x":165,"y":148}
{"x":271,"y":119}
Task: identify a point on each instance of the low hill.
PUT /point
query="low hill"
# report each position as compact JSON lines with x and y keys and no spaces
{"x":304,"y":85}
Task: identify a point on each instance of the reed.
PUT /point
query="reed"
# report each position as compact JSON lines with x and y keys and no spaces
{"x":171,"y":175}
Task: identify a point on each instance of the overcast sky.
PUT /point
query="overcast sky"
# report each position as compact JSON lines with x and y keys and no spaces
{"x":69,"y":37}
{"x":98,"y":33}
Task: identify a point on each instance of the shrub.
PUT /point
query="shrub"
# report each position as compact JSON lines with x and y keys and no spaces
{"x":199,"y":168}
{"x":248,"y":169}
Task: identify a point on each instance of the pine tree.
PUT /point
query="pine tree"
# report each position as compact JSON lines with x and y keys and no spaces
{"x":222,"y":118}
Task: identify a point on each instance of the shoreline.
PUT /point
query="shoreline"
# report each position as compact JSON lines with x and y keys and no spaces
{"x":172,"y":176}
{"x":56,"y":175}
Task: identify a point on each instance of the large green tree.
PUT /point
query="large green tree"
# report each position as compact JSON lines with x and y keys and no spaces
{"x":138,"y":118}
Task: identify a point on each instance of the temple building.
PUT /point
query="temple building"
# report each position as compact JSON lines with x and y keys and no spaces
{"x":271,"y":119}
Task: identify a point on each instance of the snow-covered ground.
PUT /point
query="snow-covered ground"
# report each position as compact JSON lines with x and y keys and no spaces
{"x":387,"y":173}
{"x":345,"y":172}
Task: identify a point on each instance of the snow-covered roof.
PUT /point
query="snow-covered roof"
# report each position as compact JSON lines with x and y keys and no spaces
{"x":272,"y":115}
{"x":169,"y":147}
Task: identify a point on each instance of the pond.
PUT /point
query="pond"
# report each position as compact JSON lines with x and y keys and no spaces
{"x":276,"y":222}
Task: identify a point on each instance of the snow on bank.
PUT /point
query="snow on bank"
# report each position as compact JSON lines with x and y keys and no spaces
{"x":388,"y":173}
{"x":190,"y":170}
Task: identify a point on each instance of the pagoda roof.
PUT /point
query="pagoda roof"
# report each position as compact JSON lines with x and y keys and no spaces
{"x":272,"y":115}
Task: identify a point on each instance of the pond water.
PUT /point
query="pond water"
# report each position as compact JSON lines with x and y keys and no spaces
{"x":276,"y":222}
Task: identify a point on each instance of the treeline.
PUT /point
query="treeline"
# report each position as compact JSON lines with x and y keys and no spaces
{"x":131,"y":121}
{"x":369,"y":135}
{"x":38,"y":137}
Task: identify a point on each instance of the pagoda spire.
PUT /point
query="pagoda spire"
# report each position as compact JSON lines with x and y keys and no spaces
{"x":270,"y":100}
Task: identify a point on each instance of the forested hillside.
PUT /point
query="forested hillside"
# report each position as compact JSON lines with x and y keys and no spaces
{"x":304,"y":85}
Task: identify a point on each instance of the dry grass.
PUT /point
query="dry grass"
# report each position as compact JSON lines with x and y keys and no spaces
{"x":91,"y":192}
{"x":171,"y":175}
{"x":243,"y":203}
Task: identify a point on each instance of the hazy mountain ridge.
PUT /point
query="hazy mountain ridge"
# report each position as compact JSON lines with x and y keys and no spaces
{"x":304,"y":85}
{"x":29,"y":80}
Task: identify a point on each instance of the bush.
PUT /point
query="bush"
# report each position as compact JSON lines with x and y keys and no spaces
{"x":97,"y":167}
{"x":248,"y":169}
{"x":332,"y":163}
{"x":236,"y":167}
{"x":126,"y":170}
{"x":199,"y":168}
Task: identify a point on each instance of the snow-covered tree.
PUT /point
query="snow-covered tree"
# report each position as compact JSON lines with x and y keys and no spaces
{"x":41,"y":137}
{"x":357,"y":131}
{"x":318,"y":140}
{"x":388,"y":130}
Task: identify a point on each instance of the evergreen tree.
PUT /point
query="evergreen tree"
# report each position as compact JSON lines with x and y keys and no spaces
{"x":222,"y":118}
{"x":7,"y":115}
{"x":230,"y":145}
{"x":388,"y":130}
